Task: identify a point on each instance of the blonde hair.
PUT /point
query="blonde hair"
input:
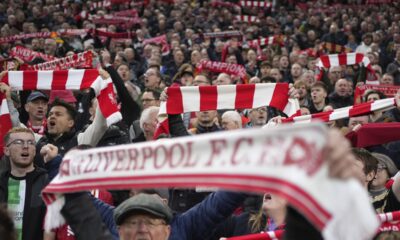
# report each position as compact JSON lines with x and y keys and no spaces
{"x":16,"y":130}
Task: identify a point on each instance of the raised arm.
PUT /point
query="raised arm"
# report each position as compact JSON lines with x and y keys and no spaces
{"x":200,"y":221}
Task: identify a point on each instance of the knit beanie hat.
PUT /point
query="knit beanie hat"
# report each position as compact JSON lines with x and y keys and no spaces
{"x":387,"y":161}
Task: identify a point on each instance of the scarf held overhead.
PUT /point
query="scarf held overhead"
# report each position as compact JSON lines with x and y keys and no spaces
{"x":83,"y":60}
{"x":241,"y":96}
{"x":286,"y":161}
{"x":68,"y":80}
{"x":335,"y":60}
{"x":346,"y":112}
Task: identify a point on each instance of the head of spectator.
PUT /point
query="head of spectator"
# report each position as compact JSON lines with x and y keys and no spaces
{"x":251,"y":56}
{"x":360,"y":120}
{"x":258,"y":116}
{"x":50,"y":46}
{"x":283,"y":62}
{"x":129,"y":54}
{"x":308,"y":77}
{"x":275,"y":207}
{"x":179,"y":57}
{"x":123,"y":72}
{"x":373,"y":95}
{"x":367,"y":39}
{"x":206,"y":118}
{"x":231,"y":120}
{"x":387,"y":79}
{"x":223,"y":79}
{"x":36,"y":107}
{"x":367,"y":163}
{"x":378,"y":71}
{"x":302,"y":89}
{"x":147,"y":50}
{"x":304,"y":110}
{"x":231,"y":59}
{"x":150,"y":97}
{"x":319,"y":93}
{"x":184,"y":75}
{"x":61,"y":118}
{"x":120,"y":58}
{"x":296,"y":71}
{"x":35,"y":44}
{"x":143,"y":216}
{"x":195,"y":57}
{"x":335,"y":73}
{"x":201,"y":80}
{"x":373,"y":57}
{"x":329,"y":108}
{"x":276,"y":74}
{"x":152,"y":78}
{"x":265,"y":67}
{"x":385,"y":170}
{"x":20,"y":148}
{"x":275,"y":61}
{"x":303,"y":60}
{"x":148,"y":121}
{"x":267,"y":79}
{"x":64,"y":95}
{"x":341,"y":87}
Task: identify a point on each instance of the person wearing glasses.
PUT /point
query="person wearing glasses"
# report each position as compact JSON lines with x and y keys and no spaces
{"x":22,"y":183}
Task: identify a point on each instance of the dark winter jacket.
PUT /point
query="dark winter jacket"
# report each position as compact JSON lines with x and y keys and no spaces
{"x":340,"y":101}
{"x":34,"y":209}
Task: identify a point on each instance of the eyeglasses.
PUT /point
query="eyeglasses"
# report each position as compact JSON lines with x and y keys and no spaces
{"x":22,"y":143}
{"x":381,"y":167}
{"x":148,"y":222}
{"x":149,"y":74}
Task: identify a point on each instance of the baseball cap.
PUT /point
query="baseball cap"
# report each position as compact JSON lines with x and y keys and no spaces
{"x":36,"y":95}
{"x":142,"y":202}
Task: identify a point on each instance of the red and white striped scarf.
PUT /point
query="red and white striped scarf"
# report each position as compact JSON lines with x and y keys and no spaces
{"x":28,"y":55}
{"x":271,"y":235}
{"x":248,"y":159}
{"x":241,"y":96}
{"x":334,"y":48}
{"x":161,"y":40}
{"x":5,"y":120}
{"x":257,"y":4}
{"x":25,"y":36}
{"x":101,"y":4}
{"x":388,"y":90}
{"x":82,"y":60}
{"x":247,"y":18}
{"x":126,"y":13}
{"x":229,"y":68}
{"x":346,"y":112}
{"x":278,"y":39}
{"x":335,"y":60}
{"x":69,"y":80}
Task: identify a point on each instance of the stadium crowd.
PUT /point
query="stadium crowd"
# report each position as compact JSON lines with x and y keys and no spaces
{"x":147,"y":47}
